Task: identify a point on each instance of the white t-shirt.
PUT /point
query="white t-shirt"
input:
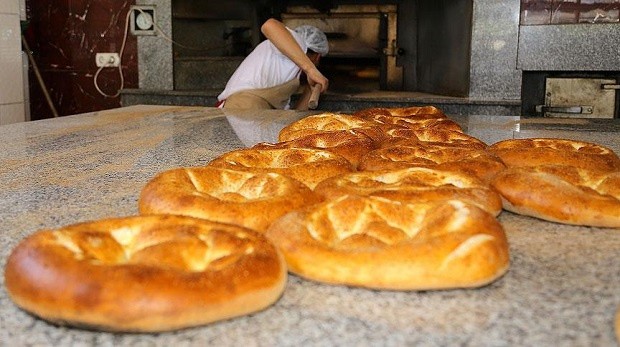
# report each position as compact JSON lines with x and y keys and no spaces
{"x":264,"y":67}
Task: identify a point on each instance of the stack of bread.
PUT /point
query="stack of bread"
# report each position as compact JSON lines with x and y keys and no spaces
{"x":385,"y":198}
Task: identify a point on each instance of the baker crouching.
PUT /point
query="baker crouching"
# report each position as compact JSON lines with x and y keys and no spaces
{"x":270,"y":74}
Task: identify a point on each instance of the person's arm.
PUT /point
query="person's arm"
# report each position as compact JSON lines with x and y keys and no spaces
{"x":284,"y":41}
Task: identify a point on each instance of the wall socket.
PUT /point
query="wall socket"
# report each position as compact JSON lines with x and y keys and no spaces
{"x":107,"y":59}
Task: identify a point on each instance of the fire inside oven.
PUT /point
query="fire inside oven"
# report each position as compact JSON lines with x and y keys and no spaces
{"x":362,"y":45}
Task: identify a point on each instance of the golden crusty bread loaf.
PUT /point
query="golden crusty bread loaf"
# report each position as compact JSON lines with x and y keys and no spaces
{"x":546,"y":151}
{"x":561,"y":193}
{"x":325,"y":121}
{"x":384,"y":244}
{"x":310,"y":166}
{"x":329,"y":121}
{"x":406,"y":154}
{"x":415,"y":184}
{"x":388,"y":122}
{"x":416,"y":112}
{"x":412,"y":123}
{"x":144,"y":273}
{"x":432,"y":136}
{"x":618,"y":326}
{"x":372,"y":112}
{"x":351,"y":144}
{"x":248,"y":199}
{"x":398,"y":118}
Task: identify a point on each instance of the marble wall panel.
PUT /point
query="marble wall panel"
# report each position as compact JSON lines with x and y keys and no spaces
{"x":493,"y":70}
{"x":11,"y":59}
{"x":64,"y":36}
{"x":156,"y":57}
{"x":569,"y":47}
{"x":12,"y":108}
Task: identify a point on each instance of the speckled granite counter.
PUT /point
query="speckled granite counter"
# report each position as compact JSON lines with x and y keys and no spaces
{"x":563,"y":287}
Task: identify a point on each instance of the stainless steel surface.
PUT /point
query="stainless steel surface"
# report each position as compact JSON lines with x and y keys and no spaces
{"x":564,"y":97}
{"x":566,"y":109}
{"x":611,"y":86}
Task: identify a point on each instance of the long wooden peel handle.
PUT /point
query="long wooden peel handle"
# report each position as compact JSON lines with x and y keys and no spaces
{"x":313,"y":103}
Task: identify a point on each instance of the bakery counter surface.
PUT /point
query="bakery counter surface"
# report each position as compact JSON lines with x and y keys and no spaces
{"x":563,"y":286}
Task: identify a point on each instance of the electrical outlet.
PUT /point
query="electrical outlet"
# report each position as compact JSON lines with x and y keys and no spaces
{"x":107,"y":59}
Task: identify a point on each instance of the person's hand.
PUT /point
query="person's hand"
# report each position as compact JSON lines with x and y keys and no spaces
{"x":315,"y":76}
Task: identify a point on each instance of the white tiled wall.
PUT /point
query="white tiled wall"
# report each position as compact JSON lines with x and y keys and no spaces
{"x":12,"y":105}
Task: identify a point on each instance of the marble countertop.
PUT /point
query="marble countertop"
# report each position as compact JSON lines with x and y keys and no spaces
{"x":562,"y":289}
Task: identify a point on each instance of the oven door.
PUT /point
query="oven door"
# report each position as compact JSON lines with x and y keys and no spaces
{"x":579,"y":98}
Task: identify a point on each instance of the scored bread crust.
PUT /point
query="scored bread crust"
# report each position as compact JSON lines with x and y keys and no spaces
{"x":351,"y":144}
{"x":550,"y":151}
{"x":329,"y":121}
{"x":249,"y":199}
{"x":326,"y":121}
{"x":561,"y":193}
{"x":414,"y":184}
{"x":415,"y":112}
{"x":432,"y":136}
{"x":144,"y":273}
{"x":388,"y":122}
{"x":309,"y":166}
{"x":479,"y":162}
{"x":618,"y":326}
{"x":384,"y":244}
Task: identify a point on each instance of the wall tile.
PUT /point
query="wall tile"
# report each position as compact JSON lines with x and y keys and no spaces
{"x":576,"y":47}
{"x":12,"y":113}
{"x":9,"y":6}
{"x":11,"y":72}
{"x":23,"y":15}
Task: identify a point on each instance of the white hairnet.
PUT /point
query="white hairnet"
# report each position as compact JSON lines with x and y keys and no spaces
{"x":314,"y":38}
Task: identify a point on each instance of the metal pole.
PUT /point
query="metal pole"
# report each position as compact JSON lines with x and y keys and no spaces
{"x":39,"y":77}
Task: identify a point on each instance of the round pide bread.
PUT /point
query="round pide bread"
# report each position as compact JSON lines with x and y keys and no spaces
{"x":329,"y":121}
{"x":379,"y":243}
{"x":248,"y":199}
{"x":561,"y":193}
{"x":310,"y":166}
{"x":351,"y":144}
{"x":414,"y":112}
{"x":415,"y":184}
{"x":432,"y":136}
{"x":618,"y":325}
{"x":144,"y":273}
{"x":406,"y":154}
{"x":390,"y":122}
{"x":417,"y":112}
{"x":549,"y":151}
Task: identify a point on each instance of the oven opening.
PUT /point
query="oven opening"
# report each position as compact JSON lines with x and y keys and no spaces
{"x":351,"y":75}
{"x":408,"y":45}
{"x":362,"y":40}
